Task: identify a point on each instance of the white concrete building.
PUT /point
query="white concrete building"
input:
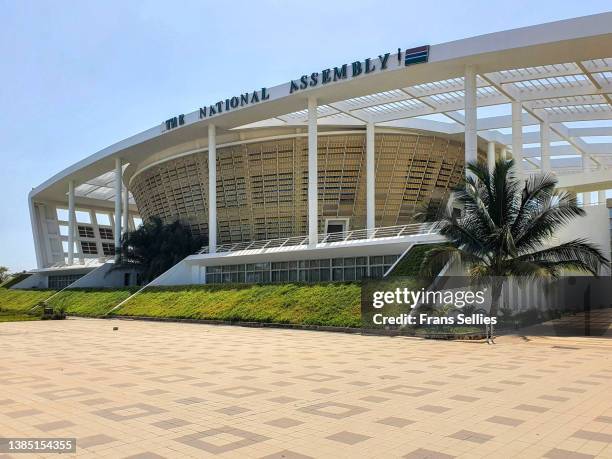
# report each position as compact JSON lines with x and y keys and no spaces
{"x":318,"y":178}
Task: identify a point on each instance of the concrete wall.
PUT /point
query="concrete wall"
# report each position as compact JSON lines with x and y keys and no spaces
{"x":105,"y":277}
{"x":595,"y":227}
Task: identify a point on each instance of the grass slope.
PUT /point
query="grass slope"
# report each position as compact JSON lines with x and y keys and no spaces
{"x":410,"y":265}
{"x":21,"y":300}
{"x":333,"y":304}
{"x":89,"y":302}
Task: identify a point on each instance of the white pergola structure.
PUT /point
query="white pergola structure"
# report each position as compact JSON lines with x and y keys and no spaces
{"x":542,"y":94}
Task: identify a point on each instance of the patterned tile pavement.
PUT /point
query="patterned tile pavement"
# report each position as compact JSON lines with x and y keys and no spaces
{"x":151,"y":390}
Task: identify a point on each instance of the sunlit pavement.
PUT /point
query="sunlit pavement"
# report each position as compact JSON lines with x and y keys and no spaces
{"x":152,"y":390}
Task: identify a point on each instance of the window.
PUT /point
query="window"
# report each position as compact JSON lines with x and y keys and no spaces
{"x":89,"y":248}
{"x":62,"y":215}
{"x":106,"y":233}
{"x":65,"y":246}
{"x":60,"y":282}
{"x":86,"y":231}
{"x":108,"y":249}
{"x":63,"y":230}
{"x":83,"y":216}
{"x":103,"y":219}
{"x":336,"y":225}
{"x":323,"y":270}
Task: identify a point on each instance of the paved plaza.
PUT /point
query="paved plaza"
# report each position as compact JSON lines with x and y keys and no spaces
{"x":150,"y":390}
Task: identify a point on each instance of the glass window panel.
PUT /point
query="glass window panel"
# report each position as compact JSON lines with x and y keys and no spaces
{"x":62,"y":214}
{"x":376,"y":260}
{"x":361,"y":261}
{"x":103,"y":219}
{"x":83,"y":216}
{"x":390,"y":259}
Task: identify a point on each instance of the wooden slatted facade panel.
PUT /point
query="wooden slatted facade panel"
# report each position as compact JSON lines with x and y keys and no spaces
{"x":262,"y":187}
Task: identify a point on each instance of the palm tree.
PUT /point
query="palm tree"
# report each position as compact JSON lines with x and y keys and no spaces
{"x":155,"y":247}
{"x":505,"y":226}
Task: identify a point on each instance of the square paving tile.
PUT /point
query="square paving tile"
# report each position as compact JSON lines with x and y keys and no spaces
{"x":395,"y":421}
{"x":239,"y":391}
{"x":349,"y":438}
{"x":284,"y":423}
{"x":94,"y":440}
{"x":333,"y":410}
{"x":423,"y":453}
{"x":286,"y":454}
{"x":54,"y":425}
{"x":132,"y":411}
{"x":474,"y":437}
{"x":172,"y":423}
{"x":221,"y":440}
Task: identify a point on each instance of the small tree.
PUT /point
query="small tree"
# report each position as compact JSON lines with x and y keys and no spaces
{"x":504,"y":228}
{"x":4,"y":274}
{"x":155,"y":247}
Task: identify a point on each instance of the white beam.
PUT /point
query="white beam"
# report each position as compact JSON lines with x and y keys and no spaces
{"x":517,"y":136}
{"x":118,"y":189}
{"x":71,"y":222}
{"x":370,"y":177}
{"x":470,"y":107}
{"x":545,"y":144}
{"x":212,"y":188}
{"x":313,"y":173}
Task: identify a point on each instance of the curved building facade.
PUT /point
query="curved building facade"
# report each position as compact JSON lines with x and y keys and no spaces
{"x":262,"y":185}
{"x":356,"y":149}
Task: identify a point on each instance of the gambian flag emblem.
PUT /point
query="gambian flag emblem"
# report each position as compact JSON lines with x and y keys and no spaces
{"x":416,"y":55}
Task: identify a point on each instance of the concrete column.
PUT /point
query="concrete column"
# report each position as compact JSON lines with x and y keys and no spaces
{"x":545,"y":145}
{"x":313,"y":173}
{"x":491,"y":155}
{"x":601,"y":196}
{"x":370,"y":177}
{"x":212,"y":188}
{"x":71,"y":222}
{"x":517,"y":136}
{"x":503,"y":154}
{"x":586,"y":198}
{"x":126,"y":210}
{"x":118,"y":189}
{"x":470,"y":107}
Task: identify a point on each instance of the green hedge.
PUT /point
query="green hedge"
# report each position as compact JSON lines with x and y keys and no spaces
{"x":333,"y":304}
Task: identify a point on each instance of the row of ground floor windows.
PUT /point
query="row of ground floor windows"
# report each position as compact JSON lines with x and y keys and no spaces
{"x":322,"y":270}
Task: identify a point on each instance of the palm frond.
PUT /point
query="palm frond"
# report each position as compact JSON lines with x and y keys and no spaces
{"x":577,"y":254}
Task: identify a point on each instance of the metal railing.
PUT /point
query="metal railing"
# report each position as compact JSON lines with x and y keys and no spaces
{"x":414,"y":229}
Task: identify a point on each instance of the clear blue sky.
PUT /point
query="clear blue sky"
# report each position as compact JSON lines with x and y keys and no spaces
{"x":78,"y":76}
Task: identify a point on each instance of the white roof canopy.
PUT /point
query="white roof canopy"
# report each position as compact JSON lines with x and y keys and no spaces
{"x":561,"y":71}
